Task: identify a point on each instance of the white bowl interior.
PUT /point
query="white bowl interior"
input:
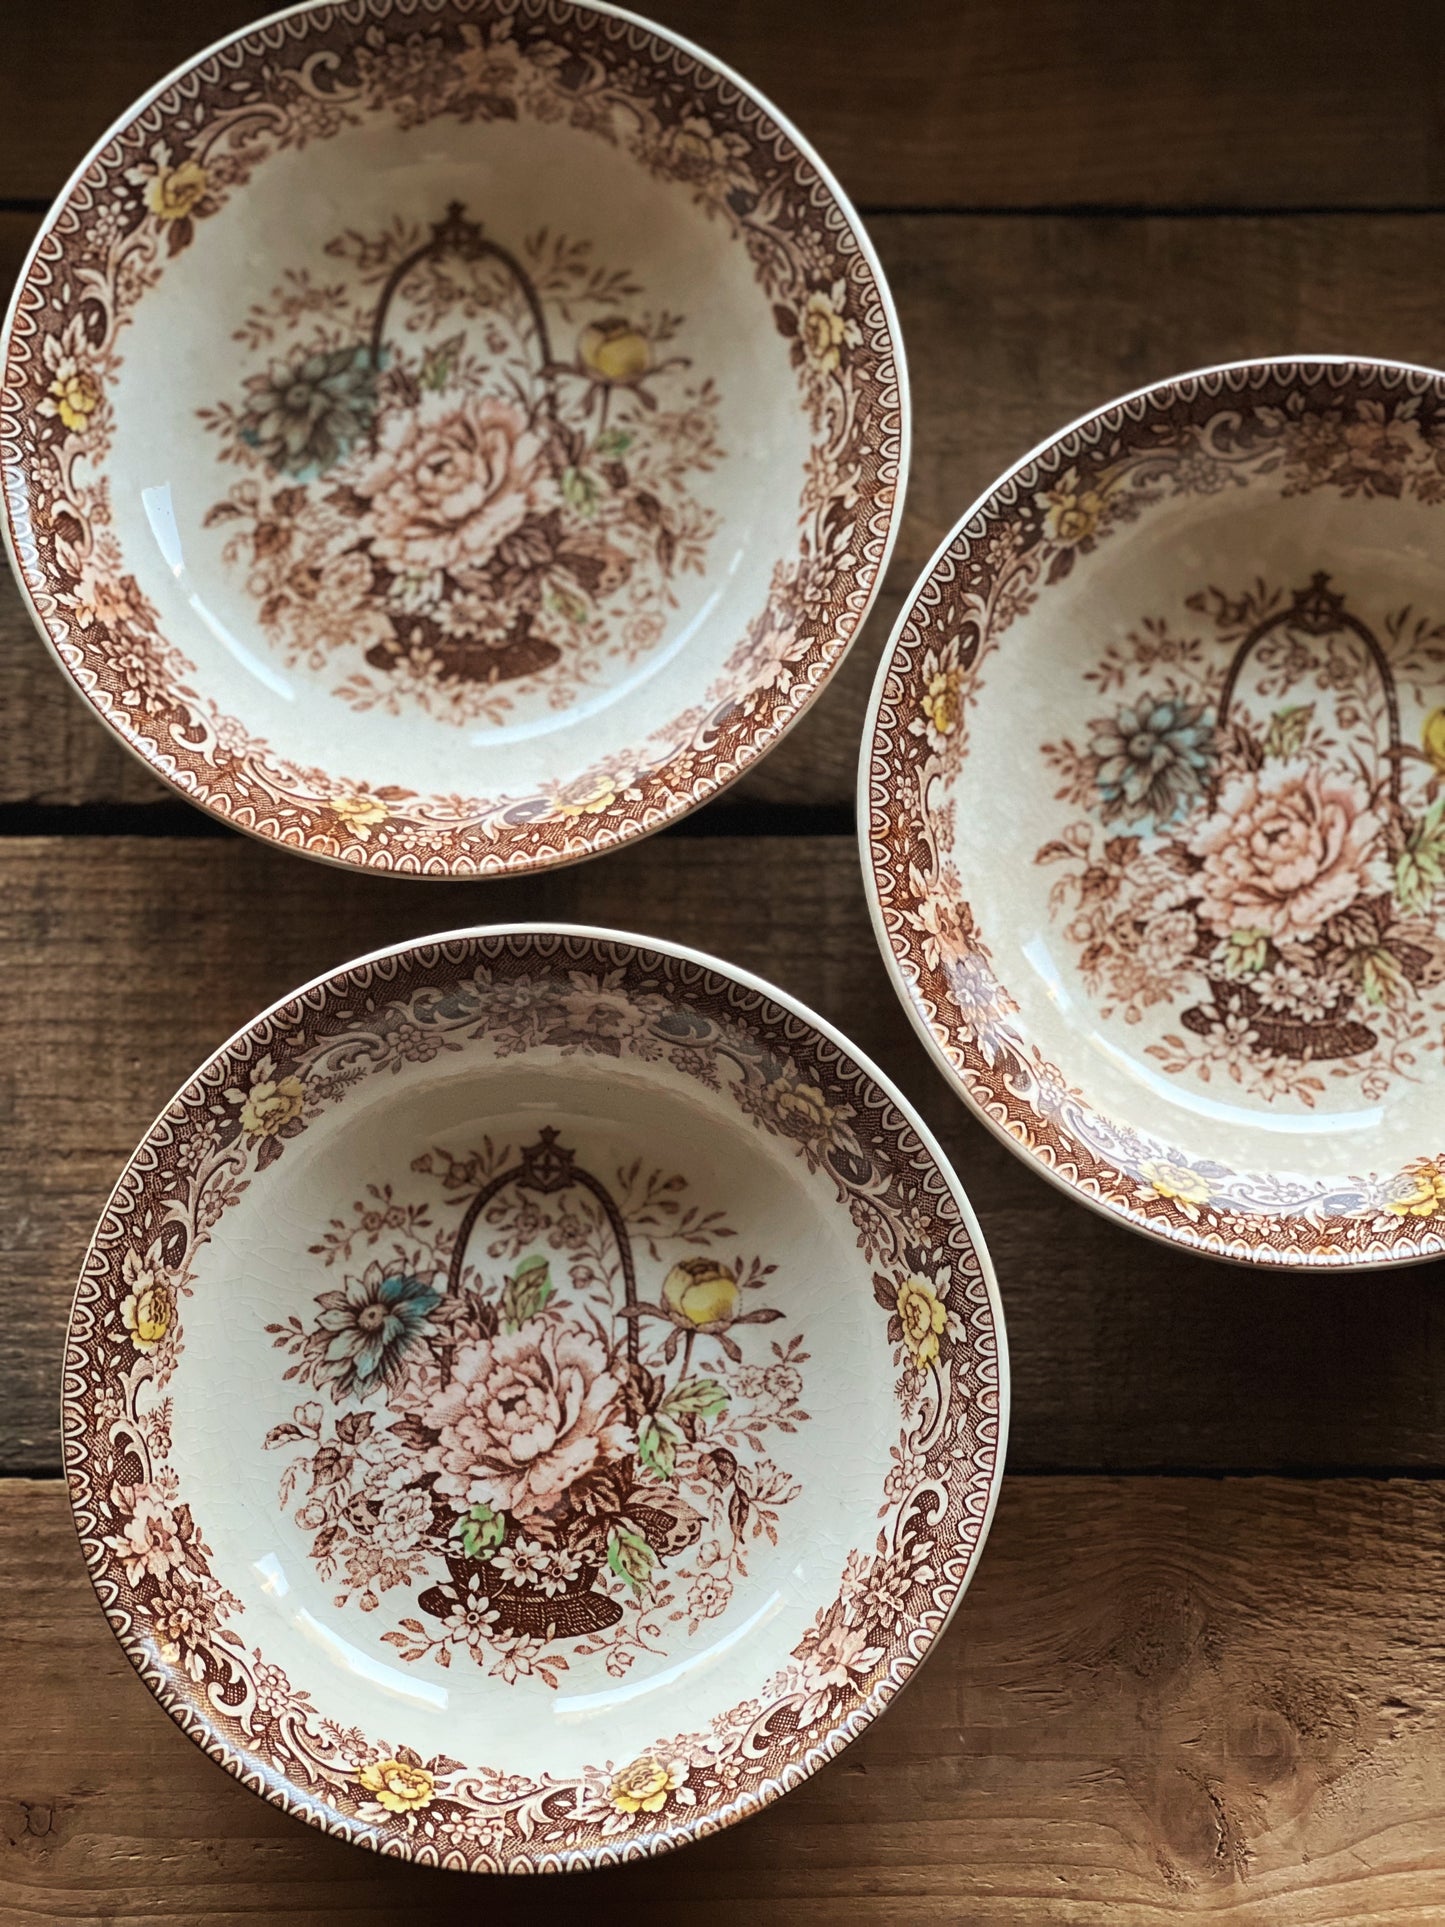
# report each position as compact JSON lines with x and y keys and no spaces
{"x":1320,"y":1117}
{"x":263,"y":1273}
{"x":723,"y":420}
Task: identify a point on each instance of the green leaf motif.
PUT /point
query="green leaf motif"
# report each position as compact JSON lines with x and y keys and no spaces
{"x":580,"y":490}
{"x":1420,"y":866}
{"x":612,"y":443}
{"x":657,"y":1447}
{"x":1288,"y":729}
{"x":703,"y":1397}
{"x":439,"y":364}
{"x":1243,"y":953}
{"x":481,"y":1531}
{"x":526,"y":1292}
{"x":570,"y":607}
{"x":630,"y":1557}
{"x":1381,"y":978}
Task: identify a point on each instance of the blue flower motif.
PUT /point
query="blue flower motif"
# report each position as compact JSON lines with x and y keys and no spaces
{"x":302,"y":418}
{"x":372,"y":1324}
{"x":1154,"y":759}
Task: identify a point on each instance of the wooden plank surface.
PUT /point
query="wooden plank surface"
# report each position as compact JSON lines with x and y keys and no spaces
{"x":1013,"y":327}
{"x":1162,"y":1699}
{"x":1166,"y":1695}
{"x":128,"y":960}
{"x":1188,"y":102}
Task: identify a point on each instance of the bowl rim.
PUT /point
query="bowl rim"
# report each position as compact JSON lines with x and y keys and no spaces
{"x":1176,"y":1230}
{"x":748,"y":753}
{"x":276,"y":1789}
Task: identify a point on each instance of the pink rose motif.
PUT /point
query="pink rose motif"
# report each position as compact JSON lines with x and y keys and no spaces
{"x":526,"y":1415}
{"x":1286,"y":850}
{"x":445,"y":491}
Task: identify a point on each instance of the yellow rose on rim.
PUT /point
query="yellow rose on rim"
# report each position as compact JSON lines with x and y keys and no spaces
{"x":1419,"y":1190}
{"x":825,"y":329}
{"x":397,"y":1785}
{"x":173,"y":192}
{"x":149,"y":1311}
{"x":1432,"y":738}
{"x":1072,"y":513}
{"x":702,"y":1292}
{"x":75,"y":393}
{"x":271,"y":1105}
{"x":1178,"y":1182}
{"x":593,"y":802}
{"x":644,"y":1786}
{"x":924,"y":1318}
{"x":359,"y":813}
{"x":943,"y":701}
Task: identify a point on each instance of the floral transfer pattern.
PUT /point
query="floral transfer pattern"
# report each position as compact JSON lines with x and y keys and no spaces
{"x":145,"y":1544}
{"x":303,"y":79}
{"x":447,"y":529}
{"x":1275,"y":873}
{"x":548,"y":1461}
{"x":1261,"y":858}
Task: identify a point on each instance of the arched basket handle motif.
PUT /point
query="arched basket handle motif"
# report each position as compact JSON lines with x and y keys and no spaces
{"x":1318,"y":611}
{"x":457,"y":235}
{"x":544,"y":1167}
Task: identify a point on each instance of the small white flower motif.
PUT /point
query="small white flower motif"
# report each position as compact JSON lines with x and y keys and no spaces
{"x":547,"y":1569}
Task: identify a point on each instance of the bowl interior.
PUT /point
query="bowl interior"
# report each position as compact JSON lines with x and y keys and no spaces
{"x":1178,"y":724}
{"x":540,"y":1412}
{"x":463,"y":423}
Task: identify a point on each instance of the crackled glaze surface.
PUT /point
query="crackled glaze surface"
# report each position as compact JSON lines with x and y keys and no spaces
{"x":454,"y":437}
{"x":536,"y":1335}
{"x":1155,"y":827}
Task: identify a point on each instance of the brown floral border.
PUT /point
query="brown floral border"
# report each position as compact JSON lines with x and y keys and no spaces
{"x":603,"y":995}
{"x":174,"y":160}
{"x":1353,"y":426}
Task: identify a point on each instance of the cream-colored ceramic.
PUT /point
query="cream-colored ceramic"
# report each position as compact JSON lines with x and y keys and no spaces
{"x":532,"y":1398}
{"x":1152,"y":810}
{"x":451,"y":437}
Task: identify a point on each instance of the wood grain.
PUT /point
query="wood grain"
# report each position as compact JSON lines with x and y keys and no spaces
{"x":1013,"y":327}
{"x":1161,"y":1699}
{"x":129,"y":960}
{"x":1189,"y":102}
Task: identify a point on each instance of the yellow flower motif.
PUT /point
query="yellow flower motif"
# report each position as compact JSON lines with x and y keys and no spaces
{"x":173,"y":192}
{"x":271,"y":1105}
{"x":644,"y":1786}
{"x":1071,"y":513}
{"x":615,"y":351}
{"x":75,"y":393}
{"x":700,"y":1291}
{"x":148,"y":1312}
{"x":593,"y":802}
{"x":924,"y":1317}
{"x":1419,"y":1190}
{"x":1433,"y":738}
{"x":397,"y":1786}
{"x":943,"y":701}
{"x":1179,"y":1182}
{"x":826,"y":330}
{"x":359,"y":813}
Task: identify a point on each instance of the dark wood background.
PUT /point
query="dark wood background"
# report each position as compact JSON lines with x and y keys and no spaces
{"x":1203,"y":1667}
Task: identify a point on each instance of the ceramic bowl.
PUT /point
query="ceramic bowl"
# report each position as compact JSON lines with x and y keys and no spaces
{"x":1153,"y":819}
{"x":451,"y":437}
{"x":532,"y":1398}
